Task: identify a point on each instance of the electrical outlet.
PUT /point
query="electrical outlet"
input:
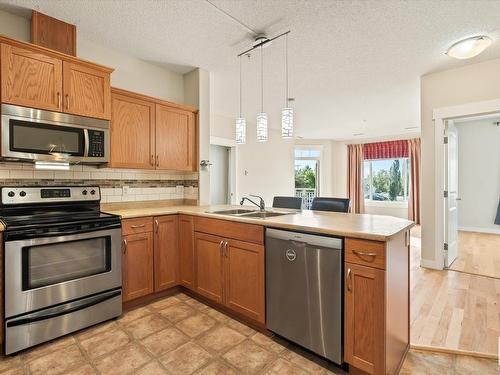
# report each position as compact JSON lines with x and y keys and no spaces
{"x":125,"y":190}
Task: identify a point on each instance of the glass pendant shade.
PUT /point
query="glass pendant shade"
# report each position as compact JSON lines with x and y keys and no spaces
{"x":241,"y":131}
{"x":261,"y":127}
{"x":287,"y":123}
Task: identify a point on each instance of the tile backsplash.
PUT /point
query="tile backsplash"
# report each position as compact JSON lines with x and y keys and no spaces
{"x":117,"y":185}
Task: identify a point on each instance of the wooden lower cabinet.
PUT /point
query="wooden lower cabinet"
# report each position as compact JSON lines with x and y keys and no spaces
{"x":186,"y":252}
{"x":137,"y":265}
{"x":208,"y":260}
{"x":244,"y":279}
{"x":231,"y":272}
{"x":166,"y":258}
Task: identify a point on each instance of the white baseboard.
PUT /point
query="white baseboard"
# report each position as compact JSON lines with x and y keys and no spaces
{"x":435,"y":265}
{"x":480,"y":230}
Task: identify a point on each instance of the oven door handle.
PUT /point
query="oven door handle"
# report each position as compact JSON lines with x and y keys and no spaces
{"x":63,"y":310}
{"x":86,"y":138}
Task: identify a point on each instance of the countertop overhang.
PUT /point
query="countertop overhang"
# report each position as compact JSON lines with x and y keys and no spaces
{"x":365,"y":226}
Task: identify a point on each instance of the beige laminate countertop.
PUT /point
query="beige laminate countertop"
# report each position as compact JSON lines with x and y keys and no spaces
{"x":371,"y":227}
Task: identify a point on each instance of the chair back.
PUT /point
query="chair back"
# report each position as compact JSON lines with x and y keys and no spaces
{"x":287,"y":202}
{"x":331,"y":204}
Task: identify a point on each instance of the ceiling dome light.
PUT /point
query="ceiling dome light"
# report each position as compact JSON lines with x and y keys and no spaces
{"x":470,"y":47}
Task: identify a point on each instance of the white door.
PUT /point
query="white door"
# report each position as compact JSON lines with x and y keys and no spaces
{"x":451,"y":186}
{"x":219,"y":175}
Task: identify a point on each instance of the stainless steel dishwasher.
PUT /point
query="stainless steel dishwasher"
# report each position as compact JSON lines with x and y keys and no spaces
{"x":304,"y":290}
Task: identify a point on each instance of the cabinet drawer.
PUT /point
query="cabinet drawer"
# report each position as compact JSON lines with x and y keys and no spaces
{"x":139,"y":225}
{"x":365,"y":252}
{"x":230,"y":229}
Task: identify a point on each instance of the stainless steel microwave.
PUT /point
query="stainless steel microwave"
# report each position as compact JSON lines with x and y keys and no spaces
{"x":38,"y":135}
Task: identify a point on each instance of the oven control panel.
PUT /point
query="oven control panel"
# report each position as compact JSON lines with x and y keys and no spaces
{"x":23,"y":195}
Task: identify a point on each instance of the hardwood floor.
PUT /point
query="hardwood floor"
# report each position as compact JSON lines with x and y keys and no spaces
{"x":478,"y":253}
{"x":453,"y":310}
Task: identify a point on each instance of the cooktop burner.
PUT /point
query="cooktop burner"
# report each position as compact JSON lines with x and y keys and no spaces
{"x":33,"y":207}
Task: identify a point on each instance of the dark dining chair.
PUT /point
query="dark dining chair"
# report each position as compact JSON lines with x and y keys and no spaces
{"x":331,"y":204}
{"x":287,"y":202}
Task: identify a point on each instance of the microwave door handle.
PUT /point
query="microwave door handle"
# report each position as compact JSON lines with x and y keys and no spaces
{"x":86,"y":137}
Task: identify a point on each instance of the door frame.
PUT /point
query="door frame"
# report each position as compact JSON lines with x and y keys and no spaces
{"x":233,"y":164}
{"x":440,"y":116}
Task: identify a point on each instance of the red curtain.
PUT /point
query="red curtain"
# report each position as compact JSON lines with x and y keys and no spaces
{"x":386,"y":150}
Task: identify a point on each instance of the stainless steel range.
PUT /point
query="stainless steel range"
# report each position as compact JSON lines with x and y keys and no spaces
{"x":62,"y":263}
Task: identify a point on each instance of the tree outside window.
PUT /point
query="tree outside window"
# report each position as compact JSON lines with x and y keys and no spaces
{"x":386,"y":180}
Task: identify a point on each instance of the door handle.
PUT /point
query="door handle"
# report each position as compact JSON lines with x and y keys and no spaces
{"x":125,"y":244}
{"x":67,"y":101}
{"x":349,"y":280}
{"x":152,"y":160}
{"x":458,"y":199}
{"x":157,"y":160}
{"x":220,"y":247}
{"x":157,"y":225}
{"x":225,"y":249}
{"x":59,"y":104}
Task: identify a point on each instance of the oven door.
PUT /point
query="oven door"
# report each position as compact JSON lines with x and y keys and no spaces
{"x":46,"y":271}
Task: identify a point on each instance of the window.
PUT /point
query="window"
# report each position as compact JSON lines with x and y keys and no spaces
{"x":386,"y":180}
{"x":307,"y":175}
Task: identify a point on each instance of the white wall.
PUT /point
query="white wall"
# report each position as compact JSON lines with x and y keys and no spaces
{"x":471,"y":83}
{"x":479,"y":174}
{"x":130,"y":72}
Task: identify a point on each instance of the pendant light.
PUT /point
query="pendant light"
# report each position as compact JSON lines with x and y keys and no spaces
{"x":241,"y":126}
{"x":262,"y":116}
{"x":287,"y":111}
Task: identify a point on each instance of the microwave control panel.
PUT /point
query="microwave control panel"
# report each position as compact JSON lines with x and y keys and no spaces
{"x":96,"y":143}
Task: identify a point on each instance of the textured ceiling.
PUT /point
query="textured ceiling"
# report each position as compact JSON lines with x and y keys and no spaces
{"x":354,"y":65}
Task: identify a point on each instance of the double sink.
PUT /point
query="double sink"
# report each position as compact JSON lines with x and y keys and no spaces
{"x":250,"y":213}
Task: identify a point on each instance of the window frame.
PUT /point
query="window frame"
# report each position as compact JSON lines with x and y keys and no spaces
{"x":406,"y":185}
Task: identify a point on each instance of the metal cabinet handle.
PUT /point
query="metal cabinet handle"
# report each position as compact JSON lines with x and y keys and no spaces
{"x":157,"y":225}
{"x":225,"y":249}
{"x":135,"y":226}
{"x":152,"y":160}
{"x":349,"y":280}
{"x":220,"y":247}
{"x":157,"y":160}
{"x":125,"y":244}
{"x":67,"y":101}
{"x":59,"y":104}
{"x":364,"y":253}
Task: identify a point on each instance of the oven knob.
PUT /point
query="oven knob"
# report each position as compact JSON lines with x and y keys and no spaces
{"x":11,"y":194}
{"x":92,"y":192}
{"x":84,"y":192}
{"x":22,"y":193}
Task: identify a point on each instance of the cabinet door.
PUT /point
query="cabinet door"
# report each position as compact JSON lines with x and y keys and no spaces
{"x":87,"y":91}
{"x":244,"y":279}
{"x":30,"y":79}
{"x":364,"y":318}
{"x":175,"y":139}
{"x":186,"y":251}
{"x":132,"y":132}
{"x":137,"y":265}
{"x":208,"y":261}
{"x":166,"y":259}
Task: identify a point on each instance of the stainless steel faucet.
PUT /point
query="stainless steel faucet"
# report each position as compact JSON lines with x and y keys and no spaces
{"x":261,"y":204}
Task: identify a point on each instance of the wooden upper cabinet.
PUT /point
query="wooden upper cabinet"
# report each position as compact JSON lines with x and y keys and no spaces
{"x":175,"y":139}
{"x":166,"y":258}
{"x":52,"y":33}
{"x":132,"y":131}
{"x":137,"y":265}
{"x":30,"y":79}
{"x":87,"y":91}
{"x":208,"y":260}
{"x":244,"y":279}
{"x":186,"y":251}
{"x":364,"y":316}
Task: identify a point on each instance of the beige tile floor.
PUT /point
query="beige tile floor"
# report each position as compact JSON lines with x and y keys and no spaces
{"x":179,"y":335}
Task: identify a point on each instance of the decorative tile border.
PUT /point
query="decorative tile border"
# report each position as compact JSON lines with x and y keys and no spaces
{"x":117,"y":185}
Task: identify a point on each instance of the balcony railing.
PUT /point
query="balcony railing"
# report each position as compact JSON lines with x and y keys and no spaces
{"x":307,"y":195}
